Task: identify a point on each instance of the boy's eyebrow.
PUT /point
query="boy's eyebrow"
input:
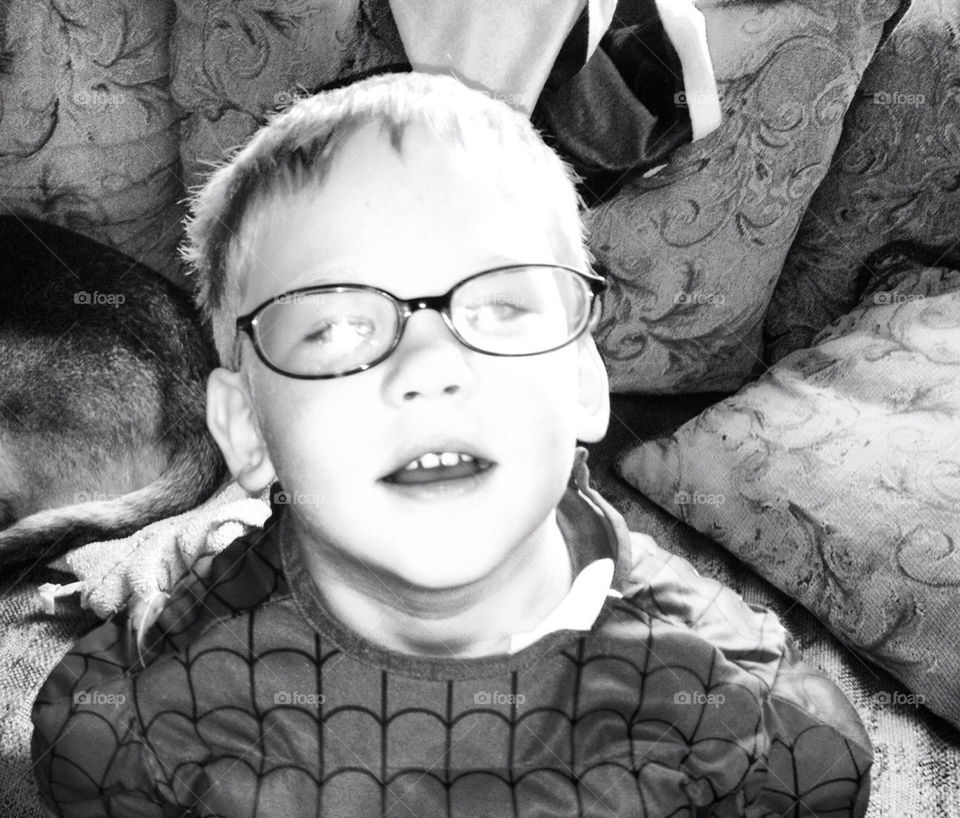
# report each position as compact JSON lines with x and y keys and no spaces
{"x":348,"y":275}
{"x":320,"y":277}
{"x":498,"y":260}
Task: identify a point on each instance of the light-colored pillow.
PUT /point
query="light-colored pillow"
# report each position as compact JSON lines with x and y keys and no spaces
{"x":836,"y":475}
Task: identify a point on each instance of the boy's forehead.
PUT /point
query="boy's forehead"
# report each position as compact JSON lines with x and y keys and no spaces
{"x":392,"y":206}
{"x":425,"y":156}
{"x":375,"y":148}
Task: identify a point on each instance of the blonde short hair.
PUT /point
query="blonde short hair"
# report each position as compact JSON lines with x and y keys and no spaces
{"x":295,"y":148}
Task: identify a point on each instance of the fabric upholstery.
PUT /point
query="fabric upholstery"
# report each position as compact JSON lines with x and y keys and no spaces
{"x":88,"y":131}
{"x":694,"y":252}
{"x":233,"y":62}
{"x":835,"y":476}
{"x":895,"y":177}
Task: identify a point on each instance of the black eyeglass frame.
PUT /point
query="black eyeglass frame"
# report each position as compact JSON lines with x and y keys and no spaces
{"x":246,"y":324}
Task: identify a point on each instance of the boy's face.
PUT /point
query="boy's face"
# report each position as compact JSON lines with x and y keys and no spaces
{"x":414,"y":223}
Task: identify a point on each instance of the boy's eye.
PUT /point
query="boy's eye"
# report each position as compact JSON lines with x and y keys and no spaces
{"x":496,"y":311}
{"x":342,"y":331}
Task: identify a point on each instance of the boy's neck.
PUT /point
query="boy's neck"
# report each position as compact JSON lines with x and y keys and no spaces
{"x":471,"y":620}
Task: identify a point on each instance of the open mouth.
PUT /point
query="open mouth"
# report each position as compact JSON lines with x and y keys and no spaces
{"x":432,"y":467}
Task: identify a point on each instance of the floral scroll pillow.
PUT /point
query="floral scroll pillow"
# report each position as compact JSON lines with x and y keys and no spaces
{"x":235,"y":61}
{"x":894,"y":178}
{"x":88,"y":130}
{"x":693,"y":253}
{"x":836,"y":475}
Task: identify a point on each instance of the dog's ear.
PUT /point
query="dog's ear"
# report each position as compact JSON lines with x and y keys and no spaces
{"x":233,"y":424}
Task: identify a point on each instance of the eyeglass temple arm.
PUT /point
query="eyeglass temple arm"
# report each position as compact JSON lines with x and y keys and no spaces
{"x":598,"y":286}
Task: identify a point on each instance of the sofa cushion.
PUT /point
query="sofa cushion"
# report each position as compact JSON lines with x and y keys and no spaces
{"x":895,"y":177}
{"x":234,"y":62}
{"x":88,"y":132}
{"x":694,"y":252}
{"x":836,"y":476}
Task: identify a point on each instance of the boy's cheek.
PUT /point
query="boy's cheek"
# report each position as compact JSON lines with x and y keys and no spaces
{"x":311,"y":440}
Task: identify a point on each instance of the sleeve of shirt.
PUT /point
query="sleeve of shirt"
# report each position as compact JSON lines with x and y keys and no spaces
{"x":817,"y":755}
{"x":89,"y":757}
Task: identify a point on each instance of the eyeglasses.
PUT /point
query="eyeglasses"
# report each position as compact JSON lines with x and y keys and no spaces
{"x":339,"y":329}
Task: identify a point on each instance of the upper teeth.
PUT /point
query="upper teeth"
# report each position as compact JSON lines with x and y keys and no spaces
{"x":432,"y":460}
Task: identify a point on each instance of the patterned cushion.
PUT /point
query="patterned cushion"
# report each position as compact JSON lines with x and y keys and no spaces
{"x":836,"y":476}
{"x":233,"y":62}
{"x":695,"y":251}
{"x":88,"y":133}
{"x":896,"y":176}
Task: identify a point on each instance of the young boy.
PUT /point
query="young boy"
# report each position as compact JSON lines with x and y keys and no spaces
{"x":440,"y":617}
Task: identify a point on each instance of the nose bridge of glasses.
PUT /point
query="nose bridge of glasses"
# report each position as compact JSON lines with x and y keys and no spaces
{"x":445,"y":372}
{"x":438,"y":303}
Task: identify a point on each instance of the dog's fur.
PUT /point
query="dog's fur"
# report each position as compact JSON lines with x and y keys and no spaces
{"x":103,"y":367}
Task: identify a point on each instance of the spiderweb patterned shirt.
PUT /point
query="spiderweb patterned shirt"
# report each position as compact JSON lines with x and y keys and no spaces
{"x":253,"y":701}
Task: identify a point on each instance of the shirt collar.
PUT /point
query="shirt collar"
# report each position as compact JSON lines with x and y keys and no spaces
{"x":599,"y":543}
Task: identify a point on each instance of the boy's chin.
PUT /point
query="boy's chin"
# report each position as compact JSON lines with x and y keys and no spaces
{"x":450,"y":569}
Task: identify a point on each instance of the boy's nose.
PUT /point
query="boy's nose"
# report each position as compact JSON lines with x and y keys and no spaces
{"x":429,"y":361}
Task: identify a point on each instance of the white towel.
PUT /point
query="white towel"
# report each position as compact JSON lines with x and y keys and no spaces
{"x":138,"y":570}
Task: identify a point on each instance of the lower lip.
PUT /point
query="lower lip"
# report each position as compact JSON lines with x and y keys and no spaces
{"x":441,"y":489}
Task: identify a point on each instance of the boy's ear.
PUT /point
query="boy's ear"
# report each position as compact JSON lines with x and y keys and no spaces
{"x":233,"y":424}
{"x":594,"y":393}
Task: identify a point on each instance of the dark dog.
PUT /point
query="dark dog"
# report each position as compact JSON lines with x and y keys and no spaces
{"x":103,"y":368}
